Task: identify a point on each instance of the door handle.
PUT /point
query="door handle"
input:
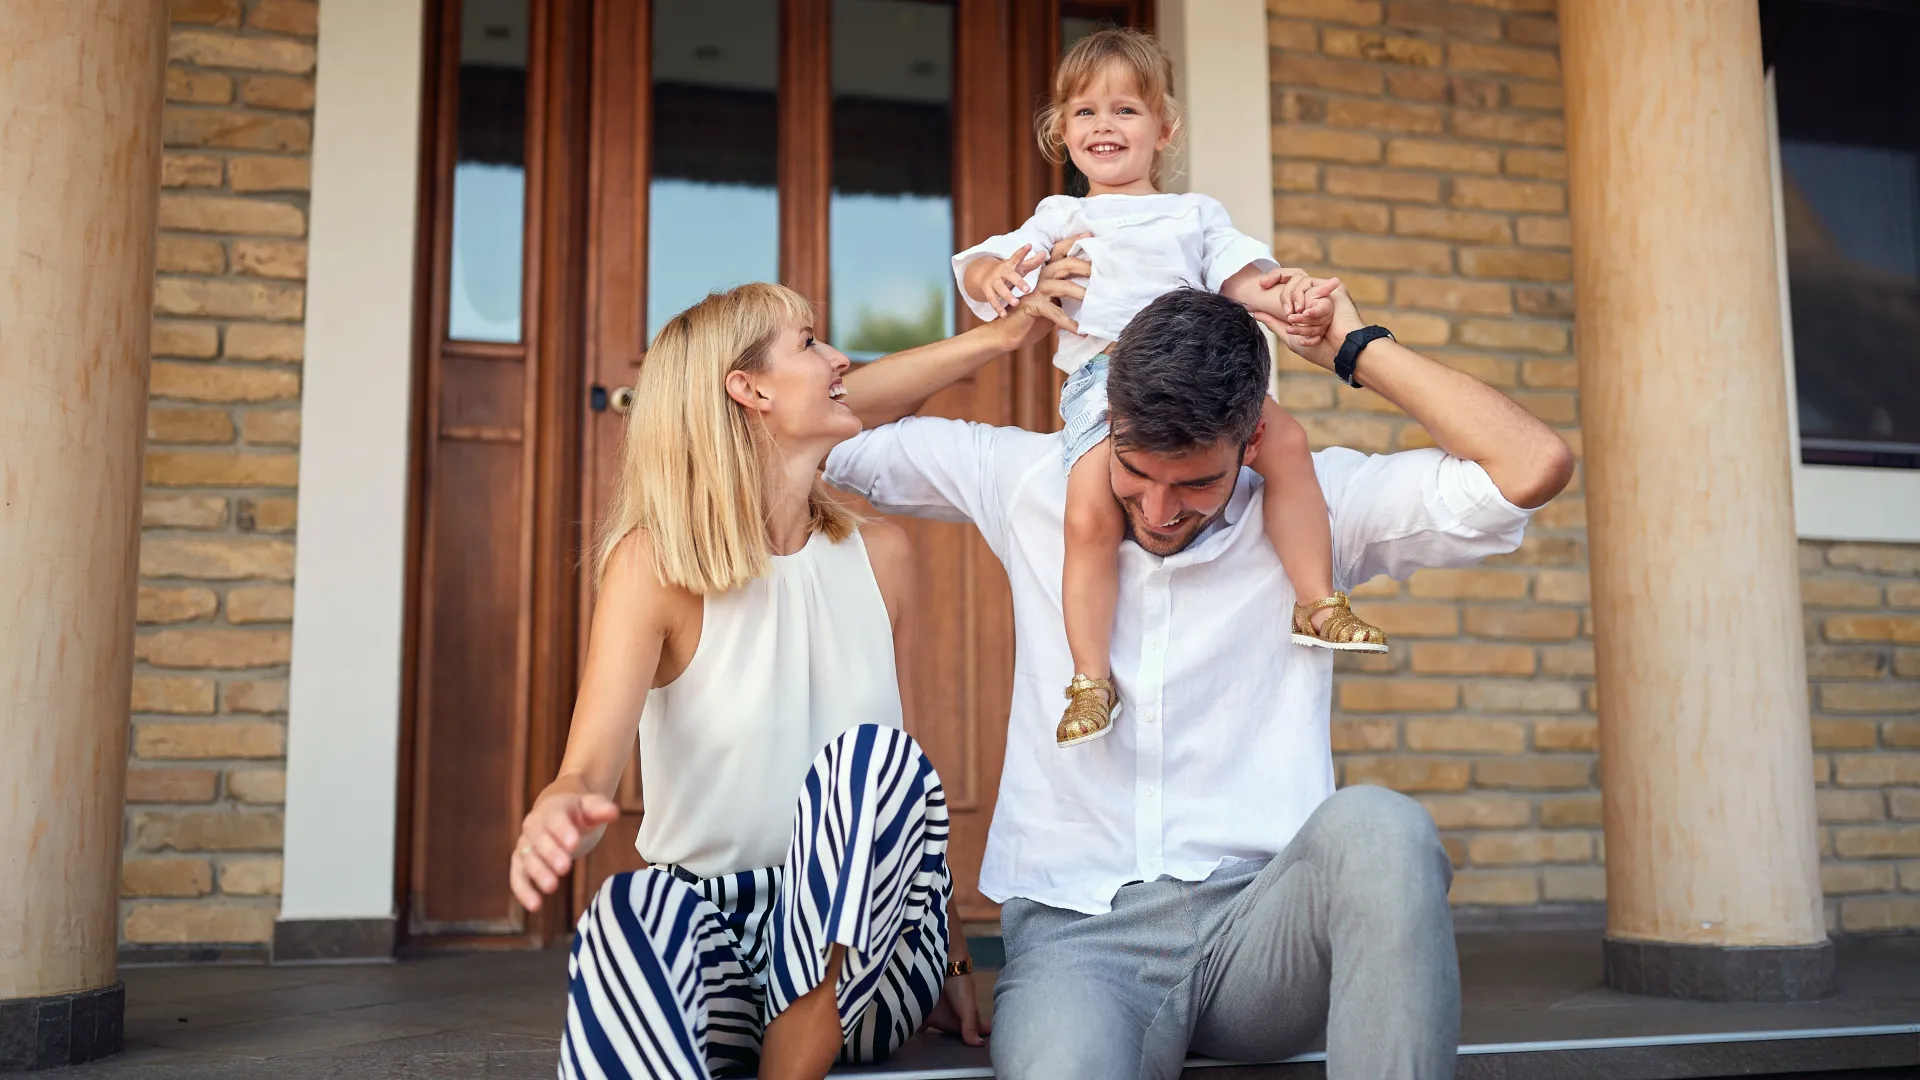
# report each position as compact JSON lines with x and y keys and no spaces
{"x":621,"y":399}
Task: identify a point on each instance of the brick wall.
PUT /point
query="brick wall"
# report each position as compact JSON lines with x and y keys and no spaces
{"x":206,"y":776}
{"x":1418,"y":153}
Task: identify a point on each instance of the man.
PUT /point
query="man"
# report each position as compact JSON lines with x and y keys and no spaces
{"x":1194,"y":881}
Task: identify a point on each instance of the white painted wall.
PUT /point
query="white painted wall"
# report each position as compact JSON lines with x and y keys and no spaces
{"x":350,"y":564}
{"x":1219,"y":50}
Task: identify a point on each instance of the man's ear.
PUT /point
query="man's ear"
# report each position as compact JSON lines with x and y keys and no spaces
{"x":741,"y":389}
{"x":1253,"y":444}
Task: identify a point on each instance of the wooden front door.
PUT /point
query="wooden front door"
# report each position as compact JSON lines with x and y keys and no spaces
{"x":843,"y":147}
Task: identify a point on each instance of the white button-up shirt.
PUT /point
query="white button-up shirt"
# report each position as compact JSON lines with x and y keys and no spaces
{"x":1221,"y":750}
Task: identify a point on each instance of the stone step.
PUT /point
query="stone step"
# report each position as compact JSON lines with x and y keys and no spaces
{"x":1855,"y":1049}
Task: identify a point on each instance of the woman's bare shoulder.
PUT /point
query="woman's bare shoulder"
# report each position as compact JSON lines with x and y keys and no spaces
{"x":630,"y":578}
{"x":890,"y":552}
{"x":886,"y":542}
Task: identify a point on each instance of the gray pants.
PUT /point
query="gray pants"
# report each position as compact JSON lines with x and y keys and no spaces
{"x":1347,"y":931}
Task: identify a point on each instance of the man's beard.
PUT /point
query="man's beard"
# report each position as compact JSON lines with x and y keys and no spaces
{"x":1127,"y":512}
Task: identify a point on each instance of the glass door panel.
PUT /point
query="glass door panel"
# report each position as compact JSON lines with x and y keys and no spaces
{"x":713,"y":202}
{"x":489,"y":173}
{"x":891,"y":211}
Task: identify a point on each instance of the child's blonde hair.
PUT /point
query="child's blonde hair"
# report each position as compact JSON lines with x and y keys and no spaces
{"x":697,"y":464}
{"x":1140,"y":57}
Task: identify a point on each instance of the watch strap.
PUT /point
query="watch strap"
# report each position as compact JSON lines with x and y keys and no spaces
{"x":1349,"y":355}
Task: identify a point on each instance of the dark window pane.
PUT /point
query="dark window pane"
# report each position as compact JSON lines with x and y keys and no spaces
{"x":892,"y":203}
{"x":713,"y":205}
{"x":489,"y":172}
{"x":1848,"y":98}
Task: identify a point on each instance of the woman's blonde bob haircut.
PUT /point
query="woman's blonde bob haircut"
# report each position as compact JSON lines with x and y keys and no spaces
{"x":695,"y":472}
{"x":1140,"y":59}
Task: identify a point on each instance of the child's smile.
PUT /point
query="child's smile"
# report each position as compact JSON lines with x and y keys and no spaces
{"x":1113,"y":136}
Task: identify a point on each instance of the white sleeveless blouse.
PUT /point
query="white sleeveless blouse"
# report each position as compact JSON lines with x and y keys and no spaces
{"x":784,"y":663}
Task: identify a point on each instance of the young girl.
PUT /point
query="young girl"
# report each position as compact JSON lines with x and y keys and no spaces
{"x":1112,"y":112}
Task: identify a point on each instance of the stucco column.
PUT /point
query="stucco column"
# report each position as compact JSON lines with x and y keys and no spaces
{"x":80,"y":93}
{"x":1713,"y":886}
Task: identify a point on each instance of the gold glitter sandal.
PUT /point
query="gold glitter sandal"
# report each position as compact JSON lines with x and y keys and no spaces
{"x":1089,"y":715}
{"x":1343,"y":629}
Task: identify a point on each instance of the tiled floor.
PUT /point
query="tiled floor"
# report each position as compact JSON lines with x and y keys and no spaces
{"x":1534,"y":1007}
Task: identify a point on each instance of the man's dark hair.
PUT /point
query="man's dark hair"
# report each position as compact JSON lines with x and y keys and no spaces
{"x":1190,"y":371}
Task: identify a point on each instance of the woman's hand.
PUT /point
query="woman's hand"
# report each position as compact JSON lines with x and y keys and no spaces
{"x":1002,"y":283}
{"x":1063,"y":277}
{"x":958,"y":1012}
{"x":561,"y":827}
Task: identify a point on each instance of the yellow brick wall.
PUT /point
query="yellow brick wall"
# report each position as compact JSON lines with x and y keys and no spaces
{"x":1418,"y":154}
{"x":206,"y":777}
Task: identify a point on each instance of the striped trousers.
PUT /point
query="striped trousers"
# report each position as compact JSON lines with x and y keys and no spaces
{"x":677,"y":976}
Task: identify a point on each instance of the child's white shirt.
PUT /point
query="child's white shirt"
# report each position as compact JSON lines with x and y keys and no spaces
{"x":1141,"y":247}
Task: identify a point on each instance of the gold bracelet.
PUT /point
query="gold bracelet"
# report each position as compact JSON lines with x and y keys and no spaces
{"x":959,"y":967}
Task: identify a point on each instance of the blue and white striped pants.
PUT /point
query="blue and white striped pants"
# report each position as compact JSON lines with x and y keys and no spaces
{"x":677,"y":976}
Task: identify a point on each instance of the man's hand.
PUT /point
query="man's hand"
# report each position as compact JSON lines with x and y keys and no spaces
{"x":1326,"y":308}
{"x":958,"y":1012}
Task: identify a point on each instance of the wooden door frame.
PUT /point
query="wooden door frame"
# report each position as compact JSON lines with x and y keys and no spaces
{"x":579,"y":333}
{"x":552,"y":323}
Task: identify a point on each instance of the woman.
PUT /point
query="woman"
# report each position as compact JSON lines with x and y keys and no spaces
{"x":794,"y":906}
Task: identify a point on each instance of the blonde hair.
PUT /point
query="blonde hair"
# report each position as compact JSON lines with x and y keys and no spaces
{"x":695,"y":471}
{"x":1140,"y":58}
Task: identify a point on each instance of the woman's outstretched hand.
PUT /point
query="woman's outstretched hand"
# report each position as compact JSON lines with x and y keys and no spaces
{"x":559,"y":829}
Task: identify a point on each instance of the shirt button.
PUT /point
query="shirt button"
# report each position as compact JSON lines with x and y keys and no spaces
{"x":1149,"y":791}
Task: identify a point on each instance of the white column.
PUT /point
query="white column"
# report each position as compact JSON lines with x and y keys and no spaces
{"x":80,"y":92}
{"x":350,"y":564}
{"x":1713,"y":886}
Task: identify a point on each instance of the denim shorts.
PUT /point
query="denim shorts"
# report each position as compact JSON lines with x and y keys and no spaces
{"x":1083,"y":407}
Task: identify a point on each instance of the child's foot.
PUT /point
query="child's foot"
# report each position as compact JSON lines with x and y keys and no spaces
{"x":1339,"y":628}
{"x":1089,"y":711}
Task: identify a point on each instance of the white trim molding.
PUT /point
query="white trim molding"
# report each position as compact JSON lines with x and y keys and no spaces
{"x":1220,"y":75}
{"x":1219,"y":51}
{"x":1832,"y":502}
{"x":356,"y":407}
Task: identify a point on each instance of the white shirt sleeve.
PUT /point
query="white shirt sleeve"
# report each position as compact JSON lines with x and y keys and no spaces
{"x":1395,"y":513}
{"x":927,"y":467}
{"x":1045,"y":228}
{"x":1227,"y":249}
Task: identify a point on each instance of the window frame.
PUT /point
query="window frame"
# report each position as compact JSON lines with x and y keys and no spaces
{"x":1831,"y":502}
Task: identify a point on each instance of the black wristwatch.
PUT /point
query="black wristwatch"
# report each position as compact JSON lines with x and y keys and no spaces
{"x":1350,"y":351}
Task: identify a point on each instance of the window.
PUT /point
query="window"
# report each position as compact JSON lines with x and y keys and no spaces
{"x":892,"y":205}
{"x":1845,"y":101}
{"x":713,"y":201}
{"x":489,"y":173}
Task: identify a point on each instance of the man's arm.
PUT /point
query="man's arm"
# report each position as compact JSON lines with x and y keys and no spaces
{"x":1468,"y":419}
{"x":930,"y":467}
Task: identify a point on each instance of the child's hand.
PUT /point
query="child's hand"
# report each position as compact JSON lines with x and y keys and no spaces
{"x":1006,"y":280}
{"x":1296,"y":305}
{"x":1313,"y":313}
